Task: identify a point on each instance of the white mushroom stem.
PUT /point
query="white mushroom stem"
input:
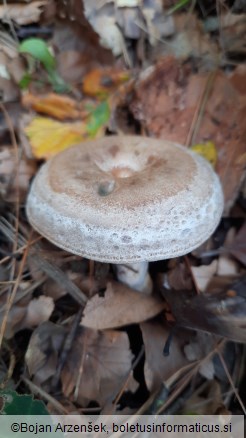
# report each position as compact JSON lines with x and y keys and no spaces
{"x":135,"y":275}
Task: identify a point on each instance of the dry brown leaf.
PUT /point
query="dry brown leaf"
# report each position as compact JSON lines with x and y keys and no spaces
{"x":119,"y":306}
{"x":43,"y":349}
{"x":18,"y":309}
{"x":227,"y":266}
{"x":22,"y":14}
{"x":221,"y":313}
{"x":159,"y":368}
{"x":203,"y":274}
{"x":179,"y":277}
{"x":166,"y":100}
{"x":198,"y":348}
{"x":97,"y":366}
{"x":38,"y":311}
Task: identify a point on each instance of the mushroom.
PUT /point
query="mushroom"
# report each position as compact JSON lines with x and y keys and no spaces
{"x":126,"y":200}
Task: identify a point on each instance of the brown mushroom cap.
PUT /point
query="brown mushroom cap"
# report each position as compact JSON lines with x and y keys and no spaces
{"x":126,"y":199}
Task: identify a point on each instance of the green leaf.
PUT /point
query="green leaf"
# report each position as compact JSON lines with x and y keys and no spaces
{"x":25,"y":81}
{"x":16,"y":404}
{"x":39,"y":50}
{"x":99,"y":116}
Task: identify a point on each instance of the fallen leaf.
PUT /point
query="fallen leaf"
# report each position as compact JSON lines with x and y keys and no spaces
{"x":227,"y":266}
{"x":206,"y":150}
{"x":203,"y":274}
{"x":54,"y":105}
{"x":119,"y":306}
{"x":38,"y":311}
{"x":170,"y":91}
{"x":101,"y":82}
{"x":196,"y":349}
{"x":110,"y":34}
{"x":157,"y":367}
{"x":97,"y":366}
{"x":18,"y":309}
{"x":178,"y":276}
{"x":221,"y":313}
{"x":22,"y":14}
{"x":42,"y":353}
{"x":48,"y":137}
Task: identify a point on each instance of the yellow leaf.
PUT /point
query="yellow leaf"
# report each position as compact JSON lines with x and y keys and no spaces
{"x":206,"y":150}
{"x":48,"y":137}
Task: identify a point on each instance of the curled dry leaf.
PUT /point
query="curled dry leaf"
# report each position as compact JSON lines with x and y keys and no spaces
{"x":119,"y":306}
{"x":101,"y":82}
{"x":42,"y":352}
{"x":159,"y":368}
{"x":97,"y":366}
{"x":54,"y":105}
{"x":22,"y":13}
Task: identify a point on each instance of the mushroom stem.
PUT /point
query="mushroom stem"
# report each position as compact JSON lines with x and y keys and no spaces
{"x":135,"y":275}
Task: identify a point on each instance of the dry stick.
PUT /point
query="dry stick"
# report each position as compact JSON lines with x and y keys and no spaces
{"x":12,"y":295}
{"x":231,"y":382}
{"x":19,"y":250}
{"x":184,"y":381}
{"x":36,"y":389}
{"x":17,"y":207}
{"x":67,"y":347}
{"x":10,"y":371}
{"x":197,"y":118}
{"x":52,"y":271}
{"x":135,"y":363}
{"x":81,"y":368}
{"x":59,"y":277}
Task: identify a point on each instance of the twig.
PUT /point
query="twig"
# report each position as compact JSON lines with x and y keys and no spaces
{"x":231,"y":381}
{"x":67,"y":347}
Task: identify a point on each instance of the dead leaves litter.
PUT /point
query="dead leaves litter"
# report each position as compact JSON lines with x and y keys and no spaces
{"x":97,"y":366}
{"x":118,"y":307}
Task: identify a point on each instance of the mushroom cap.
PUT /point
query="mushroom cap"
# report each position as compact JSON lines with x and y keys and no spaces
{"x":126,"y":199}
